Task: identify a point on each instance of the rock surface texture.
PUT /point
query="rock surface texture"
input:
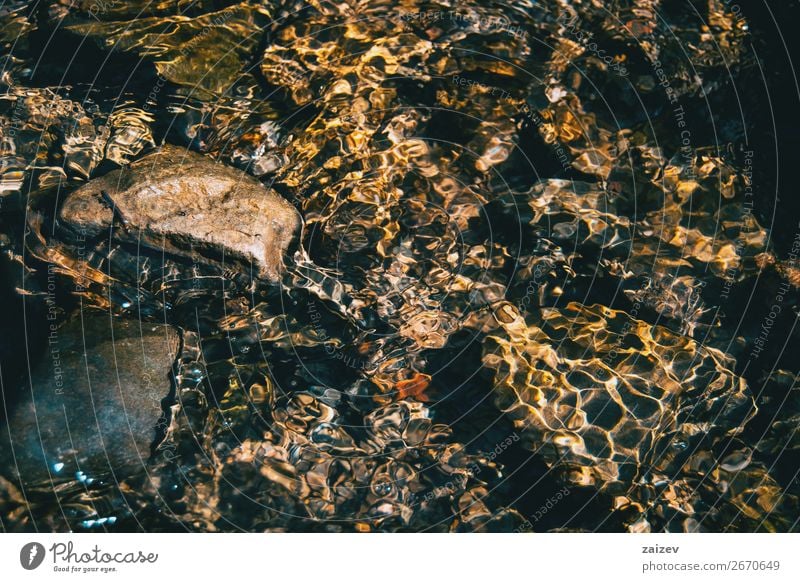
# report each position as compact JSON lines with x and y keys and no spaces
{"x":96,"y":399}
{"x":181,"y":202}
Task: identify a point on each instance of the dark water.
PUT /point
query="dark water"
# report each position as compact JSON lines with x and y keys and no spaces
{"x":547,"y":280}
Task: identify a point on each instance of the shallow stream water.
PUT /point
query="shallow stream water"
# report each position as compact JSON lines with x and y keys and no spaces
{"x":547,"y":278}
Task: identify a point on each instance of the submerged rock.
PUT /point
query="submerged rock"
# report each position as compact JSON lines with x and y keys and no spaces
{"x":95,"y":402}
{"x":183,"y":203}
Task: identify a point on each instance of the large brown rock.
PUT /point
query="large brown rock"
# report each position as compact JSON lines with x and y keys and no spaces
{"x":181,"y":202}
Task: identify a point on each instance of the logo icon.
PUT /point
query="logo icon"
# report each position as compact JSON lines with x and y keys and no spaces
{"x":31,"y":555}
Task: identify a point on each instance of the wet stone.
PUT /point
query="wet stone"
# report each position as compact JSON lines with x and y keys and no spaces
{"x":96,"y":402}
{"x":182,"y":203}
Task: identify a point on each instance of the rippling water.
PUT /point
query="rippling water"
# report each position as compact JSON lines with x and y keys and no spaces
{"x":535,"y":289}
